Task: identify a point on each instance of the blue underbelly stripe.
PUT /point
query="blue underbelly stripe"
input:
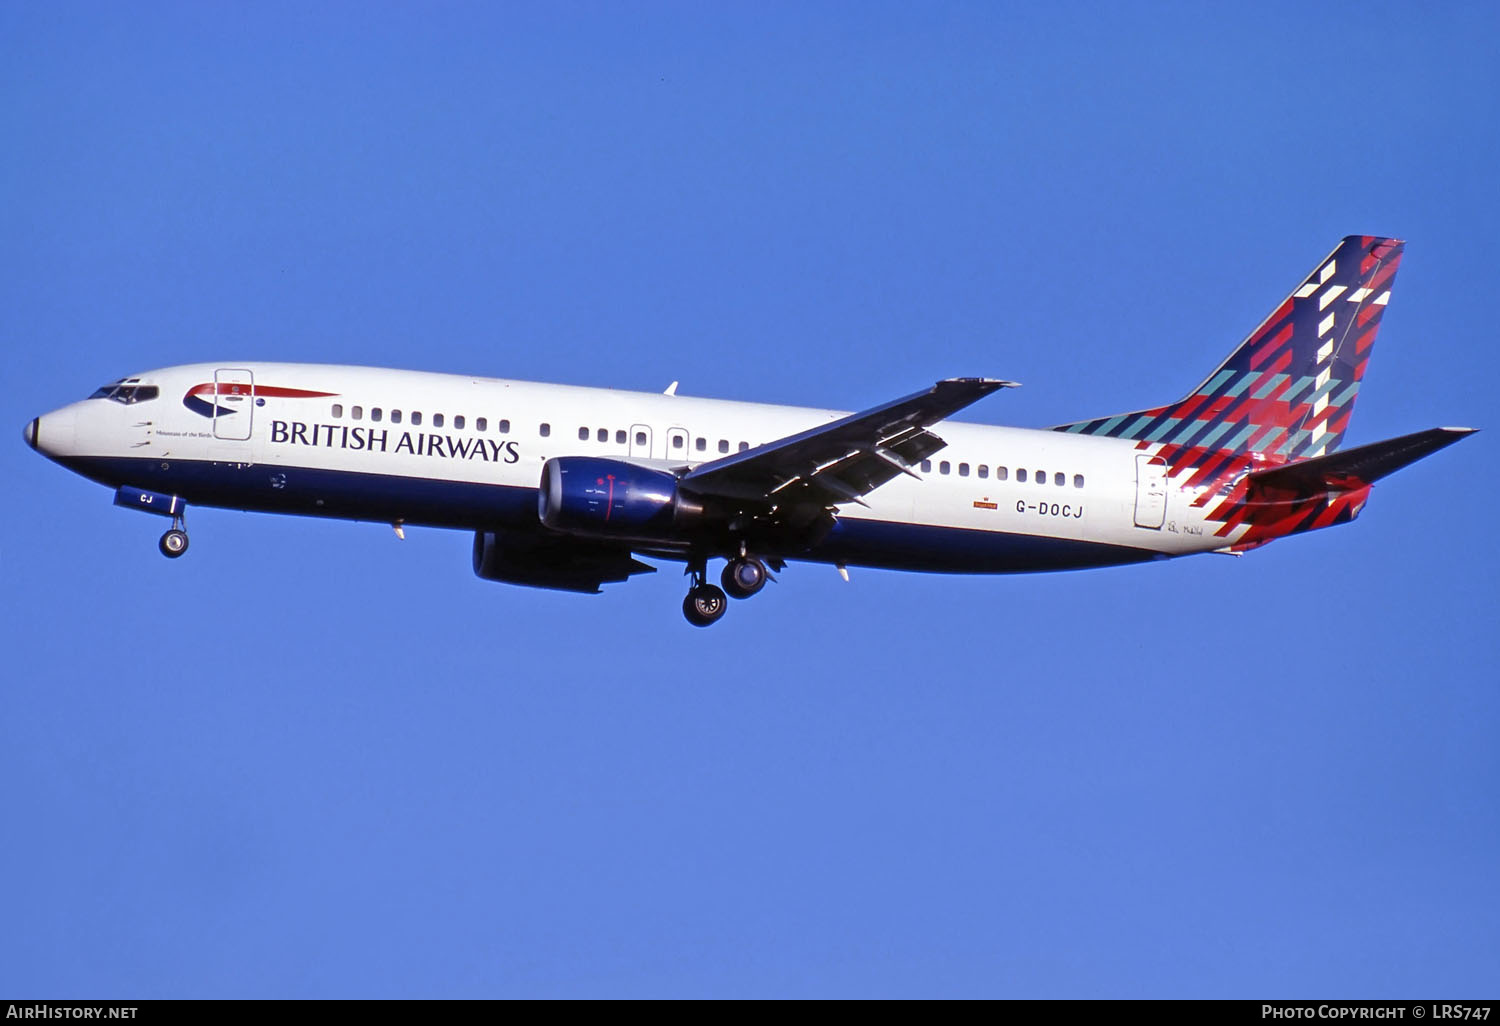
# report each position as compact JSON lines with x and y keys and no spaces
{"x":467,"y":505}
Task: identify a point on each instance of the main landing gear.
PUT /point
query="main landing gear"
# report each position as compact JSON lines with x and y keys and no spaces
{"x":743,"y":576}
{"x":705,"y":604}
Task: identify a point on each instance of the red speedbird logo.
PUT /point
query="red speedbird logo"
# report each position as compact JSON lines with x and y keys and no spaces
{"x":194,"y":399}
{"x":609,"y":503}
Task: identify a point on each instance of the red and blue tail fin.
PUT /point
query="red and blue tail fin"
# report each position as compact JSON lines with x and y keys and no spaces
{"x":1289,"y":388}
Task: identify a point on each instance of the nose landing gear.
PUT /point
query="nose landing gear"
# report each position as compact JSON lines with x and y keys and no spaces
{"x":175,"y":542}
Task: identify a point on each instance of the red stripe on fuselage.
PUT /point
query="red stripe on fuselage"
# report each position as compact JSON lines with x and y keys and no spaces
{"x":264,"y":391}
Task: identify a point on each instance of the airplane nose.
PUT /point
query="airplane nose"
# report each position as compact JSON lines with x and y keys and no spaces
{"x":52,"y":434}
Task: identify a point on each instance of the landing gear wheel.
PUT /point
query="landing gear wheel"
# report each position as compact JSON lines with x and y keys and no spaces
{"x":174,"y":543}
{"x":743,"y":577}
{"x":704,"y":605}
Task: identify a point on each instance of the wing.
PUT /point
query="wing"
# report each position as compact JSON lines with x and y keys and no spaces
{"x":840,"y":462}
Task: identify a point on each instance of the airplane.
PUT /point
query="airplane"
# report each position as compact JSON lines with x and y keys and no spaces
{"x":569,"y":488}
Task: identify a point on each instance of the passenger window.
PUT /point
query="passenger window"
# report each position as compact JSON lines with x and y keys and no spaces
{"x":744,"y":446}
{"x":677,"y":441}
{"x":602,"y":434}
{"x":338,"y":411}
{"x":416,"y":418}
{"x":1077,"y":480}
{"x":944,"y":467}
{"x":1041,"y":477}
{"x":926,"y":466}
{"x":1001,"y":473}
{"x":640,"y":438}
{"x":482,"y":425}
{"x":984,"y":471}
{"x":437,"y":420}
{"x":1021,"y":474}
{"x":619,"y":438}
{"x":583,"y":434}
{"x":376,"y":413}
{"x":505,"y":427}
{"x":358,"y":413}
{"x":395,"y":416}
{"x":459,"y":422}
{"x":702,"y":443}
{"x":963,"y":470}
{"x":1059,"y":479}
{"x":723,"y":445}
{"x":546,"y":430}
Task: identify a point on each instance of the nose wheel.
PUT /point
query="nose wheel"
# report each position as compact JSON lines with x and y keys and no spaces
{"x":175,"y":542}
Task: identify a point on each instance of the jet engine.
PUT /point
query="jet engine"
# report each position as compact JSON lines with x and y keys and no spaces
{"x":563,"y":564}
{"x":603,"y":498}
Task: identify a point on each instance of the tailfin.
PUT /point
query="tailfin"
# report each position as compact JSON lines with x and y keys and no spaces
{"x":1289,"y":388}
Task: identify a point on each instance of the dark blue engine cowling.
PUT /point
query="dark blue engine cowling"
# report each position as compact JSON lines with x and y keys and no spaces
{"x":585,"y":495}
{"x":535,"y":560}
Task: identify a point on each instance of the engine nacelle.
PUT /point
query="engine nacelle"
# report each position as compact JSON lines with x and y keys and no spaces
{"x":612,"y":498}
{"x":559,"y":563}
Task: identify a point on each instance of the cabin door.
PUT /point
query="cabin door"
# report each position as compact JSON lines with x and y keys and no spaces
{"x":1150,"y":491}
{"x":234,"y":404}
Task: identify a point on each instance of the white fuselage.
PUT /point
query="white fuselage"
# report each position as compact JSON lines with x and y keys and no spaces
{"x":467,"y":452}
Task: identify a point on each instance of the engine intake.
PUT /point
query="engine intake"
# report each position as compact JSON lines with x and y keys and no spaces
{"x":612,"y":498}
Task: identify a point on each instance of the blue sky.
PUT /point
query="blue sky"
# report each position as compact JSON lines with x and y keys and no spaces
{"x":311,"y":761}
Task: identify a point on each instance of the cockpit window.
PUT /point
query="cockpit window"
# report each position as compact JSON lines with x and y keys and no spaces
{"x":127,"y":392}
{"x":105,"y":391}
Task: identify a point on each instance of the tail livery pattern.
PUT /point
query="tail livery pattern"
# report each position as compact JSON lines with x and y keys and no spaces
{"x":1287,"y":391}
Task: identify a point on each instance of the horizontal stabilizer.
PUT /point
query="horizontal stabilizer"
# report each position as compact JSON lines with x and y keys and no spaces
{"x":1352,"y":468}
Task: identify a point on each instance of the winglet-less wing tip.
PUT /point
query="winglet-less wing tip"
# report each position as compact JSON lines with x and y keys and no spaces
{"x":992,"y":382}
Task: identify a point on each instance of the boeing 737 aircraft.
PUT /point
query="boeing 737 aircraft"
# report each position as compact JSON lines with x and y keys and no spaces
{"x":565,"y":487}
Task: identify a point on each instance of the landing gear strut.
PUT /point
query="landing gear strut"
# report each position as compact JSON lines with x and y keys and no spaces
{"x":704,"y":604}
{"x":175,"y":542}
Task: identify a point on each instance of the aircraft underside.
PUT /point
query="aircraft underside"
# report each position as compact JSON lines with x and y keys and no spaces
{"x":512,"y":512}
